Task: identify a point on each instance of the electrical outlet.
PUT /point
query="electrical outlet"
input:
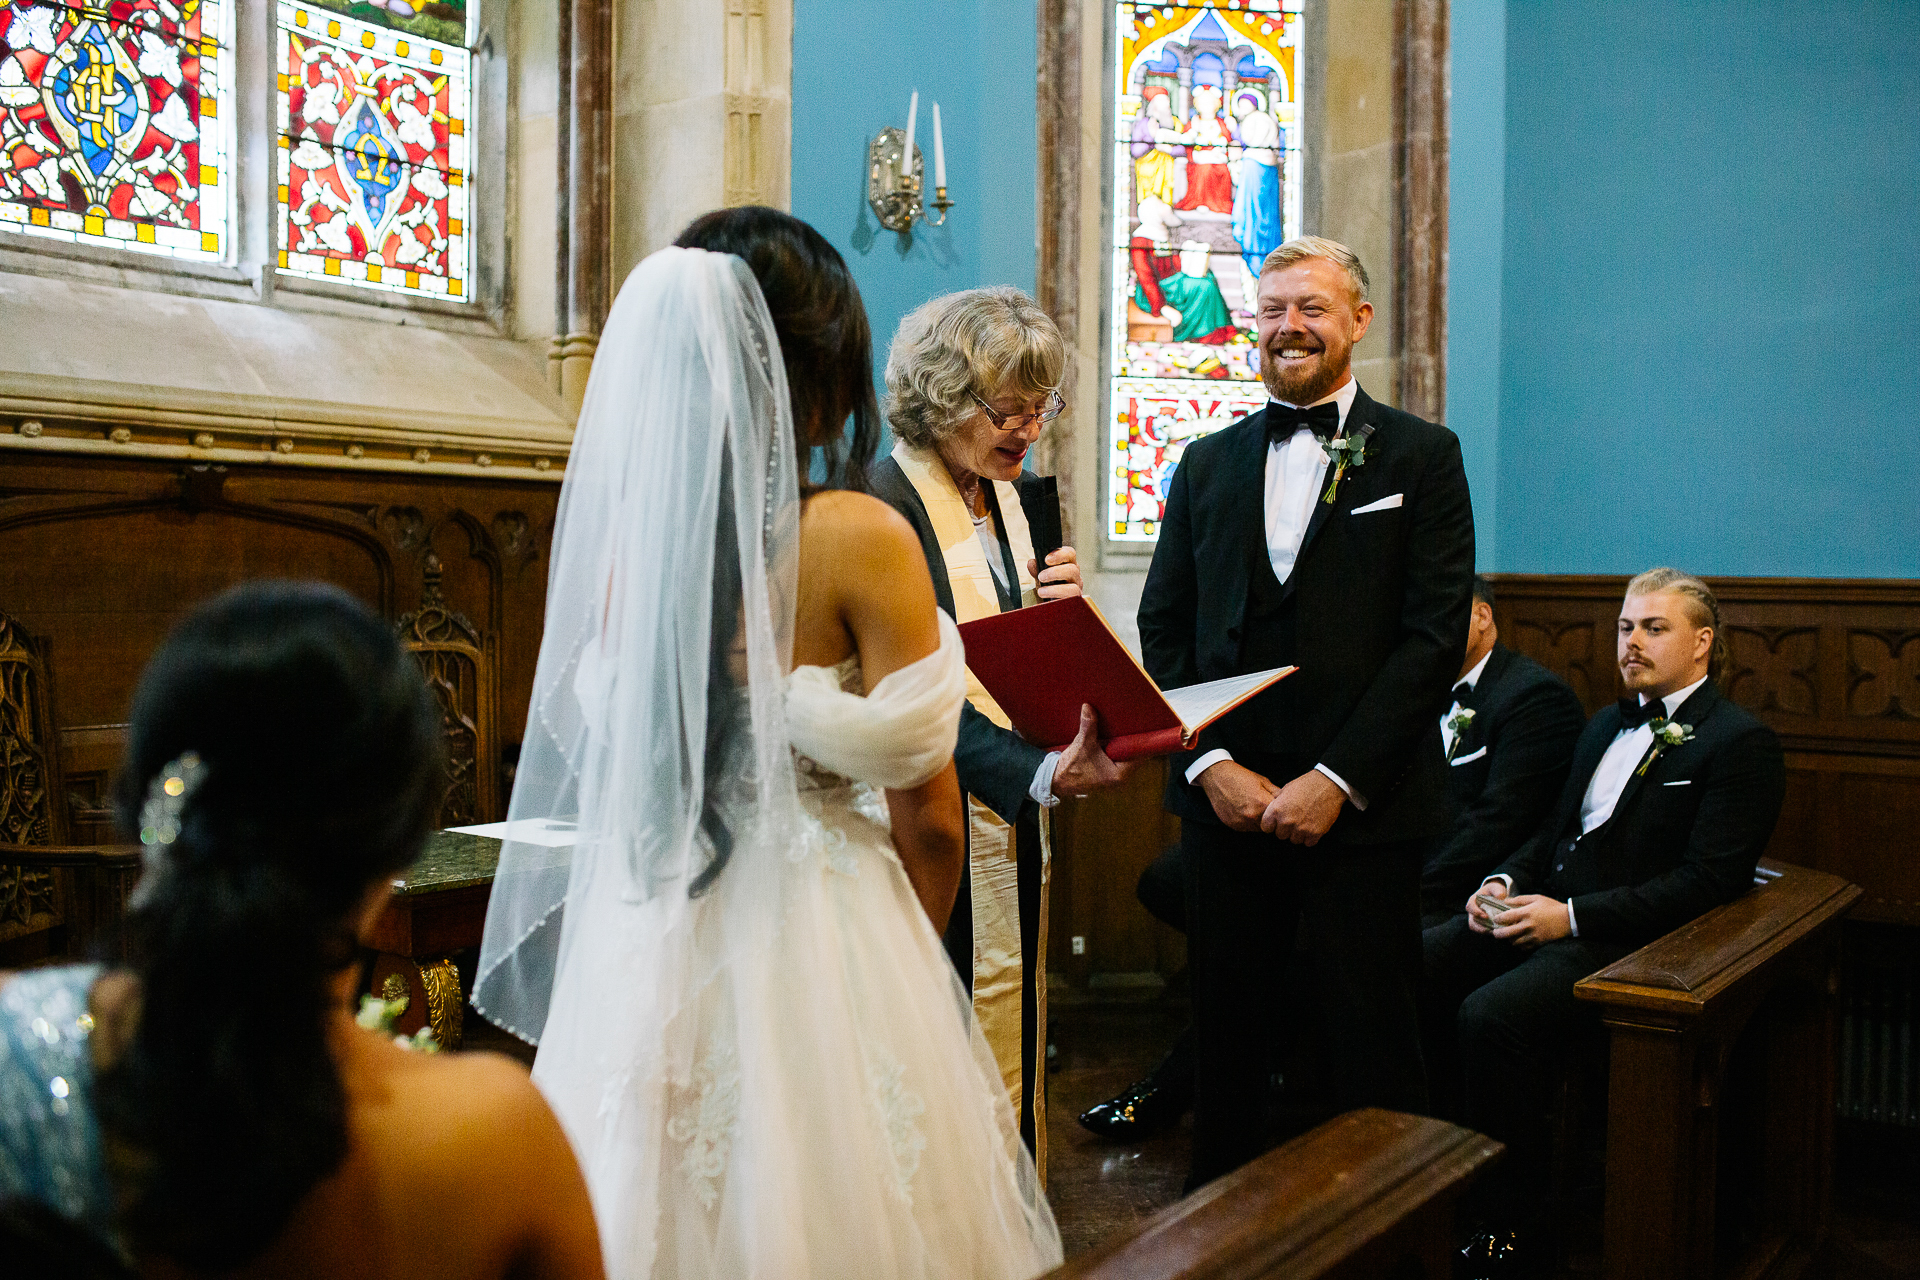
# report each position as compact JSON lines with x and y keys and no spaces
{"x":1079,"y":945}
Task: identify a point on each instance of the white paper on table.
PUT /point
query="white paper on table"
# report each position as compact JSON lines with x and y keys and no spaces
{"x":541,"y":831}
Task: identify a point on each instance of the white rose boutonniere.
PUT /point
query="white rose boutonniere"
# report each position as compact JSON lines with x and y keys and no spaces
{"x":1344,"y":452}
{"x":1666,"y":734}
{"x":1457,"y":725}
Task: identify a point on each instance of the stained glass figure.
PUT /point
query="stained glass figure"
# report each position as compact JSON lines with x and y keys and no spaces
{"x":428,"y":19}
{"x":1207,"y":181}
{"x":373,"y":148}
{"x":114,"y":119}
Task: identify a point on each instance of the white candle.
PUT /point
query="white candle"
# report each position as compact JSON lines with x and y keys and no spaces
{"x":939,"y":151}
{"x":906,"y":152}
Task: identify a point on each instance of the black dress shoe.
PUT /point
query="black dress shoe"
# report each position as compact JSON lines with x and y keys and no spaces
{"x":1149,"y":1107}
{"x":1494,"y":1254}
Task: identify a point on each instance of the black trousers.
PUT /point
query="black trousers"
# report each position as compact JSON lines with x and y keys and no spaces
{"x":1498,"y":1022}
{"x":1356,"y":912}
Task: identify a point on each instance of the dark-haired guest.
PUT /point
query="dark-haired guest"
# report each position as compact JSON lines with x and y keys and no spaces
{"x":1671,"y":799}
{"x":212,"y":1106}
{"x":1508,"y":740}
{"x":972,"y":380}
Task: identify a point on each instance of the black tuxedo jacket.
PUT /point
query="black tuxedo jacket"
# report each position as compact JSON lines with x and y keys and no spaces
{"x":1683,"y":837}
{"x":1374,"y":614}
{"x":1505,"y":772}
{"x":995,"y":765}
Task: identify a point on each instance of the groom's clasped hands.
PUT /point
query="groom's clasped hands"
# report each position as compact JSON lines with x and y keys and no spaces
{"x":1300,"y":812}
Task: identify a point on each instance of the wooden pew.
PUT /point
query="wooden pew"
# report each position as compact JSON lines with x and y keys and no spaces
{"x":1765,"y":968}
{"x":1369,"y":1194}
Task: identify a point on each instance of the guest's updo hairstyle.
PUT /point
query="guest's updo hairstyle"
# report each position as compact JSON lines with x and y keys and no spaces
{"x":321,"y":773}
{"x":1702,"y":607}
{"x":822,"y":326}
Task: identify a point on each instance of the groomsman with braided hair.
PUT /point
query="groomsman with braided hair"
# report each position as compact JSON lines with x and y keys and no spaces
{"x":1673,"y":794}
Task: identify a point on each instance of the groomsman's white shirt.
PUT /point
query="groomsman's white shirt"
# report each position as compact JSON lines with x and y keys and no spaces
{"x":1611,"y":774}
{"x":1296,"y":467}
{"x":1472,"y":681}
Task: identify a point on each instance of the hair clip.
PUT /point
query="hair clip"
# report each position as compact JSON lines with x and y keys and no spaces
{"x":168,"y":796}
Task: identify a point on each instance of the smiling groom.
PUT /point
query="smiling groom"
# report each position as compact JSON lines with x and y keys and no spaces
{"x":1333,"y":533}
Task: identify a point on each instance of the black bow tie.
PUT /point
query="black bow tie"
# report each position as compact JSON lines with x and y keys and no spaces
{"x":1283,"y":420}
{"x":1461,"y":692}
{"x":1634,"y":713}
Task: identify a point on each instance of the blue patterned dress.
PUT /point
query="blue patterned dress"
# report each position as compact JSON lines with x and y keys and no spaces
{"x":49,"y":1134}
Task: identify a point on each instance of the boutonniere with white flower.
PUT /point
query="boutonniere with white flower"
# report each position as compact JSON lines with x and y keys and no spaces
{"x":1457,"y":725}
{"x":1345,"y":451}
{"x":377,"y":1014}
{"x":1666,"y":733}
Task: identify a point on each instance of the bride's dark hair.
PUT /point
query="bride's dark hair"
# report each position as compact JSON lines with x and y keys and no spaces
{"x":822,"y":326}
{"x":321,"y":758}
{"x":828,"y":351}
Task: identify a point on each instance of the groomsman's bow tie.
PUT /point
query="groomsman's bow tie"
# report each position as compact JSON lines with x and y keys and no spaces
{"x":1283,"y":420}
{"x":1634,"y":713}
{"x":1461,"y":692}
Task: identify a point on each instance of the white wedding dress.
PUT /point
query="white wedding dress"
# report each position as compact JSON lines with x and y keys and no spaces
{"x":747,"y":1025}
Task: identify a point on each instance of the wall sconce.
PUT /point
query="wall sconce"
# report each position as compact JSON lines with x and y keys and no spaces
{"x":896,"y":174}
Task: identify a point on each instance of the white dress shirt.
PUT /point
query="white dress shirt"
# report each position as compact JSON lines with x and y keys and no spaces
{"x":1472,"y":681}
{"x":1611,"y":774}
{"x":1296,"y":468}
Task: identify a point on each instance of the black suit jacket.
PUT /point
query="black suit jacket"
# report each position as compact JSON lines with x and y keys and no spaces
{"x":1506,"y":771}
{"x":1374,"y":614}
{"x":995,"y":765}
{"x":1683,"y":837}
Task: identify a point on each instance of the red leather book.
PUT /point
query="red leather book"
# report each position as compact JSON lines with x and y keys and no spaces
{"x":1042,"y":662}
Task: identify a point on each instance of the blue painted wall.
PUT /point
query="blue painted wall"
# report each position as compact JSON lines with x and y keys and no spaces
{"x":854,"y":64}
{"x":1708,"y":314}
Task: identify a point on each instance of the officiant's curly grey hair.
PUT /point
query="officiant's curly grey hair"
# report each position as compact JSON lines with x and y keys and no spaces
{"x":955,"y":351}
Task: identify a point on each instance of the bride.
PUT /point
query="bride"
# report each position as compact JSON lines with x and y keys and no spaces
{"x":747,"y":702}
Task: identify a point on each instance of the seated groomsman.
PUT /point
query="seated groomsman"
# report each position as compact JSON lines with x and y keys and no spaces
{"x":1508,"y":738}
{"x":1672,"y":797}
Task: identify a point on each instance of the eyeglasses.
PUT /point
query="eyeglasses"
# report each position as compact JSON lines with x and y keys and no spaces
{"x":1054,"y":407}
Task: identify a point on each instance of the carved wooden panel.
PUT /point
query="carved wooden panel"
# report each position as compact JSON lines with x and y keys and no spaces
{"x":101,"y":556}
{"x":29,"y":782}
{"x":1833,"y":665}
{"x":458,"y":664}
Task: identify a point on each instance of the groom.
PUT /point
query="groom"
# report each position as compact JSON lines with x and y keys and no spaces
{"x":1333,"y":533}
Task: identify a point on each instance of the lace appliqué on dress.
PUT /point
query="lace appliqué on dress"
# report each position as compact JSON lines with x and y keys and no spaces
{"x":900,"y":1109}
{"x":710,"y":1113}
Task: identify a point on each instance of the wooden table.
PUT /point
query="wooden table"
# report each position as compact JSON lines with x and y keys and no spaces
{"x":1760,"y":973}
{"x":438,"y":908}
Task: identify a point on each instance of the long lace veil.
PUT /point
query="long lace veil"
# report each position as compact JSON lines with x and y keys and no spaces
{"x":669,"y":629}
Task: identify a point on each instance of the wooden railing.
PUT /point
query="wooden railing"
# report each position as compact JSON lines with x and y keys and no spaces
{"x":1369,"y":1194}
{"x":1759,"y":974}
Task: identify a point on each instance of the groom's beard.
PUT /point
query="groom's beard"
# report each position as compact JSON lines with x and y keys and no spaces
{"x":1302,"y":382}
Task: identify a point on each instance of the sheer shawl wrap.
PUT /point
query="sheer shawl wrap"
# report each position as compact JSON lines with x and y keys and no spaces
{"x":676,"y":539}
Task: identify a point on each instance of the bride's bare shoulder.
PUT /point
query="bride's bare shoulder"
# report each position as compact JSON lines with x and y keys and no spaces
{"x":845,"y":523}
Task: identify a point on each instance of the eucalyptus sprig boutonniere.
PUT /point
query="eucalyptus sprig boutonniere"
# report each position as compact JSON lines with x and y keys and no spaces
{"x":1666,"y":733}
{"x":1344,"y":452}
{"x":1457,"y":725}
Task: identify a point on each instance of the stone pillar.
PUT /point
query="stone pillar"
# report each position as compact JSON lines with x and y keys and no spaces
{"x":586,"y":192}
{"x":1420,"y":205}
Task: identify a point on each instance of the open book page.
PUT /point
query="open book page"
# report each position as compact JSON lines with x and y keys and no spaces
{"x":1198,"y":705}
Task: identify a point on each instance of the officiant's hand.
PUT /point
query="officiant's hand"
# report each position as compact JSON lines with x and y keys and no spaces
{"x":1061,"y":578}
{"x":1239,"y":795}
{"x":1305,"y":809}
{"x":1084,"y":766}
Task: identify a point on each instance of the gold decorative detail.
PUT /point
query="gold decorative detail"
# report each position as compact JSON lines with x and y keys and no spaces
{"x":356,"y":451}
{"x":31,"y":429}
{"x":394,"y":988}
{"x":445,"y":1003}
{"x":285,"y":444}
{"x":121,"y":435}
{"x":204,"y":440}
{"x":541,"y":464}
{"x":482,"y":459}
{"x":28,"y":787}
{"x":422,"y":455}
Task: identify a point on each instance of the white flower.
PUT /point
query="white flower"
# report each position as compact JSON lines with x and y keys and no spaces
{"x":44,"y":178}
{"x":173,"y":121}
{"x":409,"y":250}
{"x":14,"y":89}
{"x":148,"y":200}
{"x":428,"y":182}
{"x":310,"y":155}
{"x":333,"y":233}
{"x":323,"y":102}
{"x":414,"y":126}
{"x":33,"y":27}
{"x":373,"y":1013}
{"x":158,"y":58}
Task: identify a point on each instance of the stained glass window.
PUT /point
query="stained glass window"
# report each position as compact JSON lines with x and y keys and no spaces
{"x":114,"y":118}
{"x":373,"y":113}
{"x":1207,"y":172}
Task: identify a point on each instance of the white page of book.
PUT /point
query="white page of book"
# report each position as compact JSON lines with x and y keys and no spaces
{"x":542,"y":831}
{"x":1196,"y":704}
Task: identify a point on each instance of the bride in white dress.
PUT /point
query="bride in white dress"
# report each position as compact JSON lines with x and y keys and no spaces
{"x":745,"y":1017}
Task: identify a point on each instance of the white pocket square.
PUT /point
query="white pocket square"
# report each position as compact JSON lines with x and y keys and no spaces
{"x":1471,"y":755}
{"x":1684,"y":782}
{"x":1385,"y":504}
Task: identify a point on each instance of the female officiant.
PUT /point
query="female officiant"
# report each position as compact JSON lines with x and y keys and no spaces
{"x":972,"y":380}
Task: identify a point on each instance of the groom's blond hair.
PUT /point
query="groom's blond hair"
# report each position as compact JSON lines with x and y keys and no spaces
{"x":1301,"y":248}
